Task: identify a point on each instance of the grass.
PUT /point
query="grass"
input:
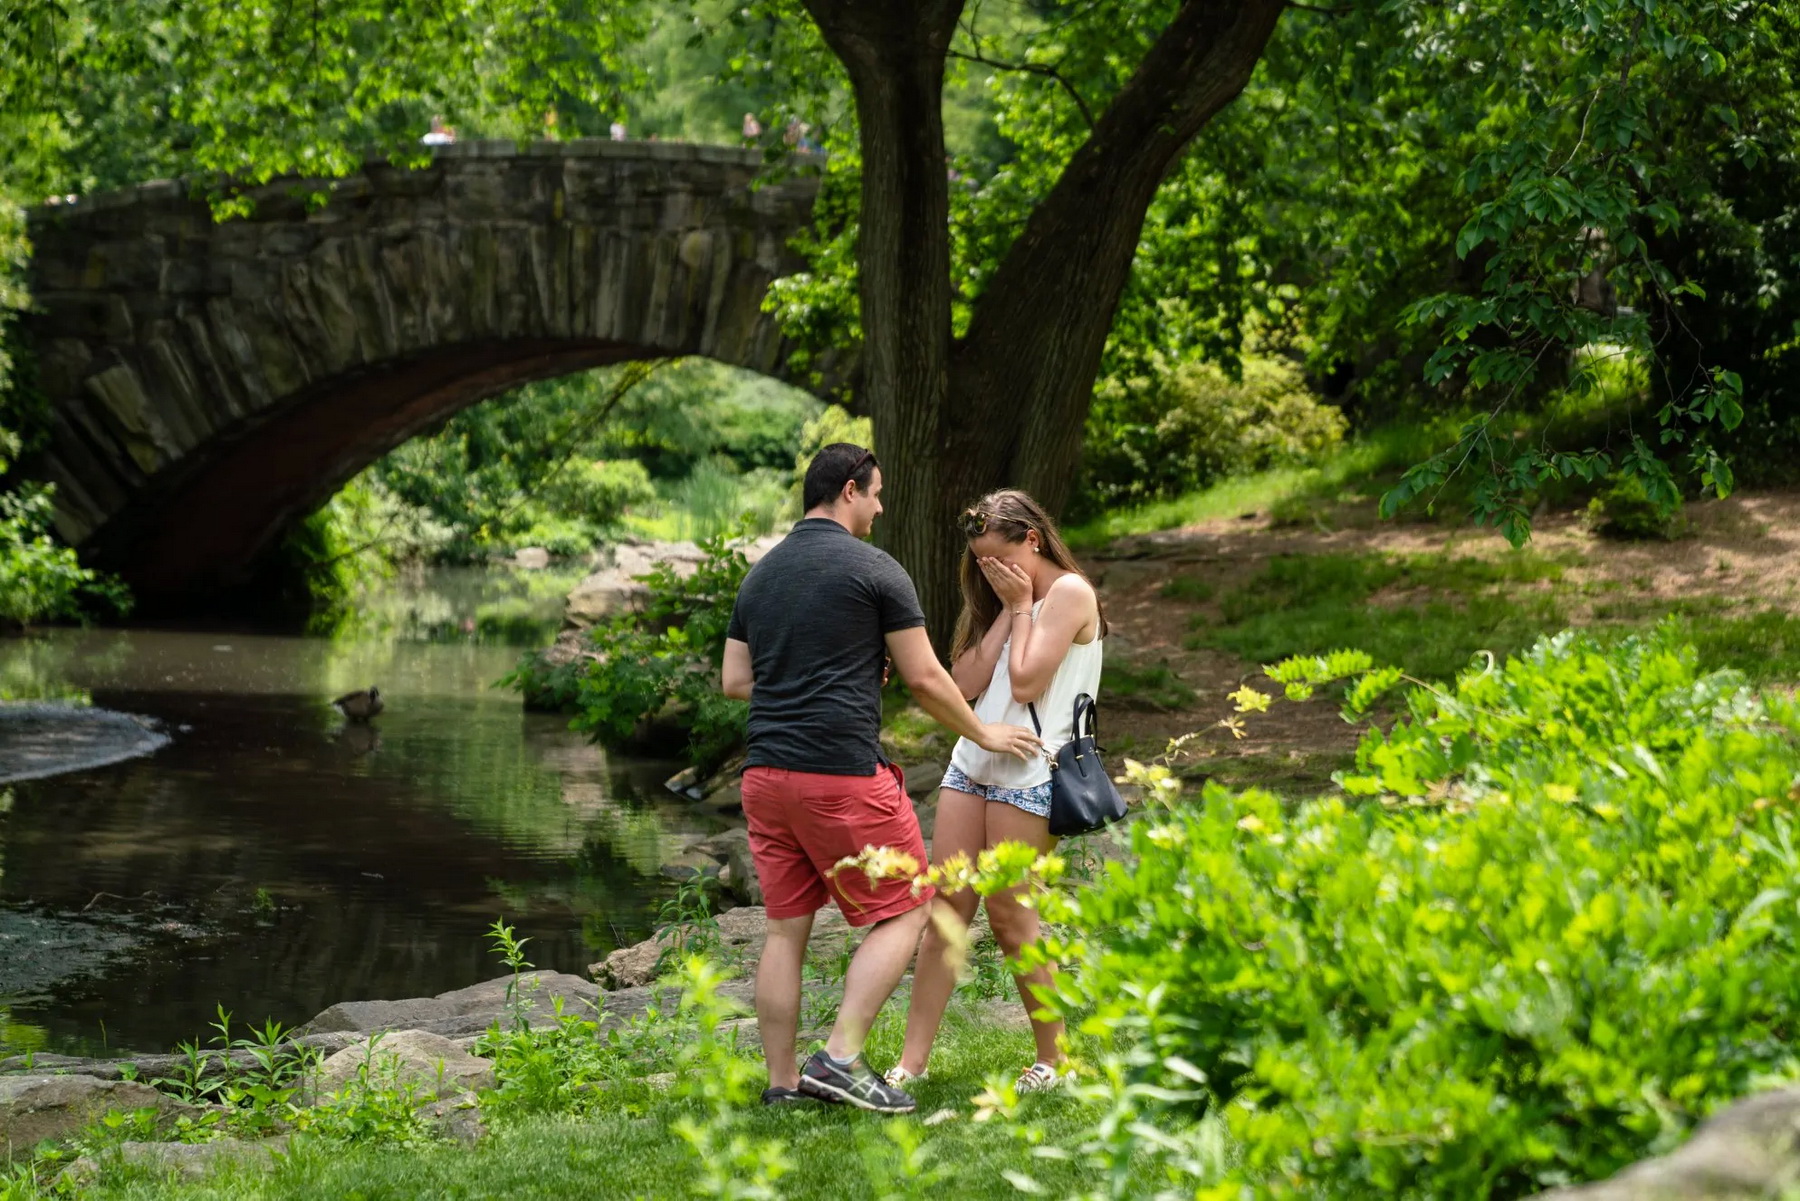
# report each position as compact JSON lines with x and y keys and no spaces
{"x":1367,"y":465}
{"x":633,"y":1152}
{"x":908,"y":733}
{"x":1764,"y":645}
{"x":1134,"y":686}
{"x":1440,"y":611}
{"x":1187,"y":589}
{"x":1294,"y":775}
{"x":1310,"y":604}
{"x":1288,"y":492}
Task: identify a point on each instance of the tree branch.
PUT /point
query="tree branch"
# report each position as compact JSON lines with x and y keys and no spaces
{"x":1038,"y":330}
{"x":1044,"y":69}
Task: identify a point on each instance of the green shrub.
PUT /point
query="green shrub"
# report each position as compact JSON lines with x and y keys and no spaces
{"x":1627,"y":511}
{"x":599,"y":491}
{"x":659,"y":664}
{"x":40,"y":579}
{"x":1190,"y":424}
{"x":1550,"y":927}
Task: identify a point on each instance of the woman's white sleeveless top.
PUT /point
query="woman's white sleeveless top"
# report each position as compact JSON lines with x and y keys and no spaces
{"x":1079,"y":673}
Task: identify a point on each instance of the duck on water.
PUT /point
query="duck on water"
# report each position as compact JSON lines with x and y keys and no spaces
{"x":360,"y":705}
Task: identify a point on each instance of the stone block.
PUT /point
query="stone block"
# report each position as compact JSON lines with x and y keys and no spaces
{"x":136,"y":423}
{"x":739,"y":880}
{"x":379,"y":1015}
{"x":689,"y":864}
{"x":489,"y":997}
{"x":923,"y":778}
{"x":417,"y":1058}
{"x":34,"y":1108}
{"x":1746,"y":1151}
{"x":457,"y":1118}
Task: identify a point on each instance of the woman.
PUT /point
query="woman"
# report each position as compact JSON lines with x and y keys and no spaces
{"x":1029,"y":637}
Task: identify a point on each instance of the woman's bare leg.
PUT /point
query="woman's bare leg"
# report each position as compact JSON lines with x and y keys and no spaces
{"x":961,"y":827}
{"x":1015,"y":926}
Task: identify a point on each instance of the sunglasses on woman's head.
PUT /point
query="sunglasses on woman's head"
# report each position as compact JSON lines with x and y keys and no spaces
{"x":972,"y":522}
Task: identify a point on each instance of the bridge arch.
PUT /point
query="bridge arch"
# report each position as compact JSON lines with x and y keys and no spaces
{"x":209,"y":382}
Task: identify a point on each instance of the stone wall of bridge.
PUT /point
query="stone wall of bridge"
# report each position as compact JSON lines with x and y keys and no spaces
{"x":210,"y":381}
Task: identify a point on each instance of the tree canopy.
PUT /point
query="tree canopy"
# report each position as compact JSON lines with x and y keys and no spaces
{"x":1427,"y":206}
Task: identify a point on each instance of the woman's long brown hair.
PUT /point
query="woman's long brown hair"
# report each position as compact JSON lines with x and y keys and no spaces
{"x":1011,"y":514}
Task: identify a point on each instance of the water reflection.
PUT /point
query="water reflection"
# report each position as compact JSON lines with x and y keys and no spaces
{"x":278,"y":860}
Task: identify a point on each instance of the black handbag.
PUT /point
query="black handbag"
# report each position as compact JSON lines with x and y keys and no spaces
{"x":1082,"y":796}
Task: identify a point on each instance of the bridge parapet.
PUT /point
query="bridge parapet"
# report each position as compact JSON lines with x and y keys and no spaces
{"x":210,"y":381}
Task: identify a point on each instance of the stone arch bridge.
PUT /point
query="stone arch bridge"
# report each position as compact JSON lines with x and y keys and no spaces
{"x":210,"y":382}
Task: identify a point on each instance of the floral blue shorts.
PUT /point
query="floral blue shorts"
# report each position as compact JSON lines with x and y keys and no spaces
{"x":1035,"y":799}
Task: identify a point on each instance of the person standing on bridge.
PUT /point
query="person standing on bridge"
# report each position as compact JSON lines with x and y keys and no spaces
{"x":815,"y":624}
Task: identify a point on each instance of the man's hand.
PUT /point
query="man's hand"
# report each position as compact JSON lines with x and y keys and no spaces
{"x":1009,"y":740}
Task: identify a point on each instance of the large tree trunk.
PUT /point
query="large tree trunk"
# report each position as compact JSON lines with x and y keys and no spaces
{"x":1010,"y":407}
{"x":895,"y":54}
{"x":1025,"y":372}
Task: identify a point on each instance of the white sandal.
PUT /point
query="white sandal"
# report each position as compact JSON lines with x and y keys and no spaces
{"x":1040,"y":1077}
{"x":899,"y":1077}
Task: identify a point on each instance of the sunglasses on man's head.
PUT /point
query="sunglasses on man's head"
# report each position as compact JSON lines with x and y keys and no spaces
{"x":867,"y":458}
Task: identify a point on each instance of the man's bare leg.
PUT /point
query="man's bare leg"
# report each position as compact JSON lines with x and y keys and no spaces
{"x":874,"y":974}
{"x":778,"y":995}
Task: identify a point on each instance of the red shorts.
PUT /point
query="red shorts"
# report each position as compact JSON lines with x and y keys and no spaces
{"x":802,"y":823}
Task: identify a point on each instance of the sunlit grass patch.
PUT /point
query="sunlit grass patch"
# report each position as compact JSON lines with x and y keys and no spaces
{"x":1310,"y":604}
{"x":1289,"y":489}
{"x":630,"y":1151}
{"x":1765,"y":645}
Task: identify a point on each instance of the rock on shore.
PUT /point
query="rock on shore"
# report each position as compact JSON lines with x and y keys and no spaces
{"x":614,"y":588}
{"x":33,"y":1108}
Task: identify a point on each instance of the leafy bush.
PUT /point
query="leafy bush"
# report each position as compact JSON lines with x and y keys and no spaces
{"x":1551,"y":926}
{"x":41,"y":580}
{"x":598,"y":491}
{"x":375,"y":1108}
{"x":1188,"y":424}
{"x":567,"y":1067}
{"x":1628,"y":511}
{"x":659,"y":664}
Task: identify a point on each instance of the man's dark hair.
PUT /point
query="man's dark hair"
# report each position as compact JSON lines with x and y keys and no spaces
{"x":834,"y":467}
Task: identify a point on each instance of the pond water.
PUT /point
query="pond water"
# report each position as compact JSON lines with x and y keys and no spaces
{"x":274,"y":859}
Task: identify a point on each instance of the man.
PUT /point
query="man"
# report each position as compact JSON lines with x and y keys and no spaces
{"x":815,"y":623}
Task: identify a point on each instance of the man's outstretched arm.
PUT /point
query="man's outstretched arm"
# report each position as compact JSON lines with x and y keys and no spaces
{"x":735,"y":681}
{"x":939,"y":696}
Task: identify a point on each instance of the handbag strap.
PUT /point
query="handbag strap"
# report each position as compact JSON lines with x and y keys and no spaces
{"x":1085,"y":707}
{"x":1082,"y":702}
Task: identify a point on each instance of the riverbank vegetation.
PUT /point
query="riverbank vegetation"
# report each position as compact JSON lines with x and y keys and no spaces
{"x":1540,"y":929}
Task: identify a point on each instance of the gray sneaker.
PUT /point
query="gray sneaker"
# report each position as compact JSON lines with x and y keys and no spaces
{"x":854,"y":1085}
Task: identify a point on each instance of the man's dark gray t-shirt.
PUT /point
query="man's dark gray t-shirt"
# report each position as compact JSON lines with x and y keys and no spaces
{"x":816,"y":612}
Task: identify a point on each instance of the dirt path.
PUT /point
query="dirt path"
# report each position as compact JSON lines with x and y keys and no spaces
{"x":1742,"y":554}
